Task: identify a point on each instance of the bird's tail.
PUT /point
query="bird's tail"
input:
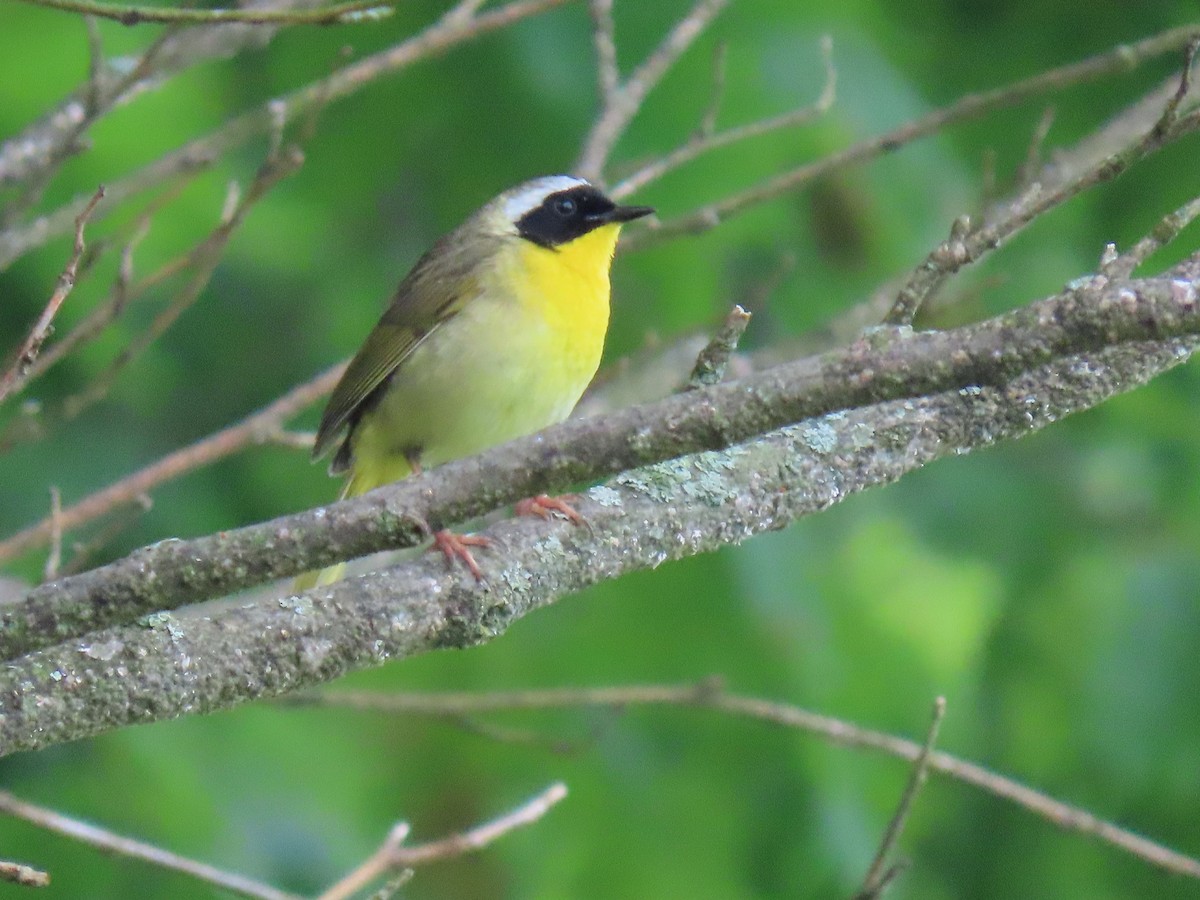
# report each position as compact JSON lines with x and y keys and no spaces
{"x":361,"y":480}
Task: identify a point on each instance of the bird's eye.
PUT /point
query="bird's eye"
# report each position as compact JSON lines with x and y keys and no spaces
{"x":564,"y":206}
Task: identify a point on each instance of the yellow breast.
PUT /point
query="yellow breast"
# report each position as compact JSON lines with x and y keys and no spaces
{"x":567,"y":287}
{"x":515,"y":359}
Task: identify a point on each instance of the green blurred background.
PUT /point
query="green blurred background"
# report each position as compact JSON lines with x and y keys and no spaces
{"x":1047,"y":589}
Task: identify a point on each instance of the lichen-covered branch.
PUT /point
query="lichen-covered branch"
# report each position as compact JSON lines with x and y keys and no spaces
{"x":1090,"y":316}
{"x":217,"y":656}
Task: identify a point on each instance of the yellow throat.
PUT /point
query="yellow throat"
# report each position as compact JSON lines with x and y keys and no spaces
{"x":493,"y":335}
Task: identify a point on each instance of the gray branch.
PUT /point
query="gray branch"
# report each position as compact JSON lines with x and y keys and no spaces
{"x":889,"y":364}
{"x":865,"y":416}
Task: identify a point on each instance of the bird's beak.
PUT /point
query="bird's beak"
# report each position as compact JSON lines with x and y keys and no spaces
{"x":626,"y":213}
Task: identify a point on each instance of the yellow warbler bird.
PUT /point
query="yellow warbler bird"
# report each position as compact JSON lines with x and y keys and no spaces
{"x":494,"y":334}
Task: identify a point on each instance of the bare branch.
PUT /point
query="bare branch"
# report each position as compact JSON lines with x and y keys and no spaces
{"x":260,"y":427}
{"x":12,"y":379}
{"x":202,"y":261}
{"x":1033,"y":156}
{"x":1092,"y":316}
{"x":119,"y":297}
{"x":338,"y":14}
{"x":456,"y":27}
{"x":711,"y":694}
{"x":1118,"y":59}
{"x":990,"y":382}
{"x":706,"y":140}
{"x":372,"y":868}
{"x":121,"y":518}
{"x":1166,"y":231}
{"x":623,"y":102}
{"x":109,"y":842}
{"x":877,"y":878}
{"x":392,"y":855}
{"x":54,"y":560}
{"x":607,"y":76}
{"x":968,"y":245}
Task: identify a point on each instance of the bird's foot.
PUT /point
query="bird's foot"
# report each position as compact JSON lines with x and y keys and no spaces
{"x":544,"y":506}
{"x":455,"y":546}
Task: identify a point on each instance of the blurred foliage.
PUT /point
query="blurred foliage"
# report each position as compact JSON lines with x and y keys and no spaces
{"x":1048,"y":589}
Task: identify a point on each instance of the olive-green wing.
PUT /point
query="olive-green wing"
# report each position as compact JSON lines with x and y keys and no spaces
{"x":438,"y":286}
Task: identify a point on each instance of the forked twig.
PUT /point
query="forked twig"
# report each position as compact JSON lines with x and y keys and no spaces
{"x":457,"y":26}
{"x":622,"y":101}
{"x":203,"y":261}
{"x":711,"y":694}
{"x":707,"y":140}
{"x":967,"y":244}
{"x":1119,"y":59}
{"x":392,"y":855}
{"x":878,"y":878}
{"x":12,"y":379}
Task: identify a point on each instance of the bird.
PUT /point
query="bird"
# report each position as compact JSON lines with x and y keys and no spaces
{"x":494,"y":334}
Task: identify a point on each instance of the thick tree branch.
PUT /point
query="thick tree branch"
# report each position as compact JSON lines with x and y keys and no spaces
{"x":993,"y":387}
{"x":1090,"y":316}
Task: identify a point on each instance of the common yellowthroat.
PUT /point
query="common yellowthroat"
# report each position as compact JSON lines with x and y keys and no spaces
{"x":494,"y":334}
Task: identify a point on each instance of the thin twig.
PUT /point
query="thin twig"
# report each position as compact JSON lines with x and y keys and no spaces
{"x":205,"y":258}
{"x":1163,"y":233}
{"x":392,"y":855}
{"x":481,"y":836}
{"x":607,"y":76}
{"x":120,"y":295}
{"x":711,"y":363}
{"x":26,"y":876}
{"x":54,"y":559}
{"x":54,"y":143}
{"x":877,"y":878}
{"x":624,"y":101}
{"x":393,"y":885}
{"x":457,"y":26}
{"x":339,"y":14}
{"x":1171,"y":114}
{"x":707,"y":140}
{"x":109,"y":842}
{"x":708,"y":121}
{"x":118,"y":521}
{"x":93,"y":91}
{"x":1033,"y":155}
{"x":711,"y":694}
{"x":372,"y":868}
{"x":967,"y":245}
{"x":256,"y":428}
{"x":1119,"y":59}
{"x":16,"y":374}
